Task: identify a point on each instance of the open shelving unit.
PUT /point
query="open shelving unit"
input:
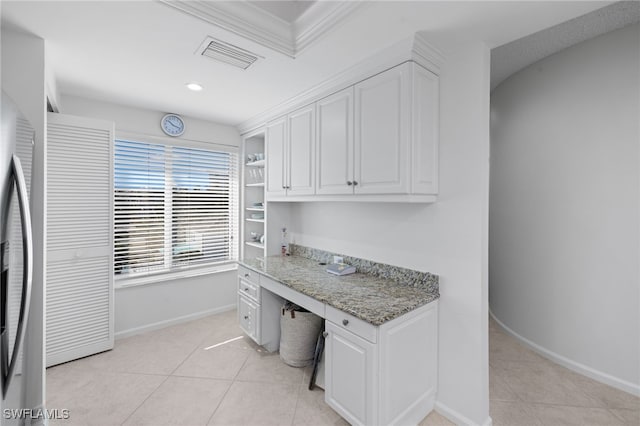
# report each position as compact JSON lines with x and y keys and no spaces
{"x":253,"y":200}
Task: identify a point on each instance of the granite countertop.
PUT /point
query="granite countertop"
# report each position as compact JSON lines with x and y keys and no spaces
{"x":373,"y":299}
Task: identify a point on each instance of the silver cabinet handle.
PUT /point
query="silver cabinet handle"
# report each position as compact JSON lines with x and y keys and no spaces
{"x":355,"y":183}
{"x":345,"y":322}
{"x":246,"y":289}
{"x":349,"y":183}
{"x":246,"y":317}
{"x":325,"y":334}
{"x":247,"y":275}
{"x":27,"y":271}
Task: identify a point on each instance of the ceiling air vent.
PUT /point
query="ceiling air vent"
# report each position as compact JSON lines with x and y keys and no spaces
{"x":227,"y":53}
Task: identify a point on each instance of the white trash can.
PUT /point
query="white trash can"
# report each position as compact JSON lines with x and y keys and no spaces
{"x":299,"y":330}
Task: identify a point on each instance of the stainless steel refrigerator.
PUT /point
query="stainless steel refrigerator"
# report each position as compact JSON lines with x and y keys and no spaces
{"x":16,"y":259}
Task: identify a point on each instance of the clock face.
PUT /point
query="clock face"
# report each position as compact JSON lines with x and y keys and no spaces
{"x":172,"y":125}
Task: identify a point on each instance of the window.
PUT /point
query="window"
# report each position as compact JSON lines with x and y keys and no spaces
{"x":175,"y":208}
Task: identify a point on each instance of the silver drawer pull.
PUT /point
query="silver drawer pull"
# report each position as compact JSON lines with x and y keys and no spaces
{"x":246,"y":289}
{"x":345,"y":322}
{"x":246,"y":317}
{"x":247,"y":275}
{"x":325,"y":334}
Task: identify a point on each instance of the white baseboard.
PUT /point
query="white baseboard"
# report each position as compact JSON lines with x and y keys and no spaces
{"x":458,"y":418}
{"x":172,"y":321}
{"x":592,"y":373}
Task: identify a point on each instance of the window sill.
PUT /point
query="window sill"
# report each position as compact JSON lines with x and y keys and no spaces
{"x":171,"y":276}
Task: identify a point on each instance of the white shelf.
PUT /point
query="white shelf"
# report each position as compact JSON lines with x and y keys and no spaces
{"x":259,"y":163}
{"x":255,"y":209}
{"x":255,"y":220}
{"x":255,"y":185}
{"x":256,"y":245}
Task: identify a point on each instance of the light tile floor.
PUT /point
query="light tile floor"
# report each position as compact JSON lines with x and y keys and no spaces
{"x":167,"y":377}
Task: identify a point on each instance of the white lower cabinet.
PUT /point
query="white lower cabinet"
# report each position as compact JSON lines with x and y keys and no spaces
{"x":384,"y":375}
{"x":258,"y":311}
{"x":350,"y":378}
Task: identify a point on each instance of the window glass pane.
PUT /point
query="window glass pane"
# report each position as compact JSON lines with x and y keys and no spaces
{"x":175,"y":207}
{"x":139,"y":208}
{"x":201,"y":223}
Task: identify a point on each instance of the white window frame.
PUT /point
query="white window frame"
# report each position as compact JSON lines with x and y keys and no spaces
{"x":130,"y":280}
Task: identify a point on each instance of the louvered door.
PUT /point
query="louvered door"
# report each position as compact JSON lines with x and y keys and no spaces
{"x":79,"y":314}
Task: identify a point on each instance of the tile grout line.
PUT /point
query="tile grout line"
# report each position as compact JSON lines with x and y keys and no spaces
{"x":227,"y":391}
{"x":145,"y":400}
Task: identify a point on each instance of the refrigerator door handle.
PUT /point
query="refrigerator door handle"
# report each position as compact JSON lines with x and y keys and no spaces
{"x":27,"y":271}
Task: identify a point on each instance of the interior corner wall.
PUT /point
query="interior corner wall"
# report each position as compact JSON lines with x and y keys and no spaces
{"x":150,"y":306}
{"x":564,"y":207}
{"x":23,"y":79}
{"x":448,"y":237}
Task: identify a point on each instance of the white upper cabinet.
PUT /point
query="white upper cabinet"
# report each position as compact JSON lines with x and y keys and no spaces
{"x":302,"y":165}
{"x":290,"y":153}
{"x":276,"y":156}
{"x":382,"y":131}
{"x":335,"y":144}
{"x":376,"y":140}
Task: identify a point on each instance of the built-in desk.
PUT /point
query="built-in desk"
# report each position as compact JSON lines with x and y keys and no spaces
{"x":381,"y":335}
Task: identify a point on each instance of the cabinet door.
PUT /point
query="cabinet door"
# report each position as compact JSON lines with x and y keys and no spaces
{"x":248,"y":316}
{"x":335,"y":144}
{"x":301,"y":168}
{"x":275,"y":153}
{"x":382,"y":120}
{"x":350,"y":378}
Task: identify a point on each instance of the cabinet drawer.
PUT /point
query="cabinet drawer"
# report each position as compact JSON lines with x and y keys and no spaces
{"x":354,"y":325}
{"x":249,"y":275}
{"x":248,"y":316}
{"x":247,"y":288}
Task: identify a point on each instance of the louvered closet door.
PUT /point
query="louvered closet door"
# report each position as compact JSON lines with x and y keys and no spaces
{"x":79,"y":312}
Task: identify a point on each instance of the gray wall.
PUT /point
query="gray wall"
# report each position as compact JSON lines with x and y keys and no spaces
{"x":564,"y":206}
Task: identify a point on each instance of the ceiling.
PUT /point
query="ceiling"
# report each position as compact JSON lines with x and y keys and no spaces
{"x":141,"y":53}
{"x":286,"y":10}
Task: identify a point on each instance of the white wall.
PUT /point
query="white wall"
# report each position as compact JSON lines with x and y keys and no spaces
{"x":23,"y":79}
{"x":564,"y":221}
{"x":150,"y":306}
{"x":448,"y":238}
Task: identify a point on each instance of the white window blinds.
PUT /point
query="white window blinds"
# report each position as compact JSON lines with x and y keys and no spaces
{"x":175,"y":207}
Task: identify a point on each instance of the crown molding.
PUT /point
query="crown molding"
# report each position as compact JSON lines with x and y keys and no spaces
{"x":414,"y":48}
{"x":253,"y":23}
{"x":319,"y":19}
{"x":427,"y":55}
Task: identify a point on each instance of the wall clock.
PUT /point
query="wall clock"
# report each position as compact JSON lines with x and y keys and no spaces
{"x":172,"y":125}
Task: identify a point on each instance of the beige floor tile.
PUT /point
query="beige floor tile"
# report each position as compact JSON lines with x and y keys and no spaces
{"x":181,"y":401}
{"x":255,"y":403}
{"x":95,"y":397}
{"x":608,"y":396}
{"x":217,"y":363}
{"x":504,"y":347}
{"x":628,"y":417}
{"x":506,"y":413}
{"x":558,"y":415}
{"x":498,"y":388}
{"x":268,"y":367}
{"x":311,"y":410}
{"x":435,"y":419}
{"x":146,"y":354}
{"x":539,"y":382}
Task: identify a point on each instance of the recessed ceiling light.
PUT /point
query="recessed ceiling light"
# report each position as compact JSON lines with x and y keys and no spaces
{"x":196,"y":87}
